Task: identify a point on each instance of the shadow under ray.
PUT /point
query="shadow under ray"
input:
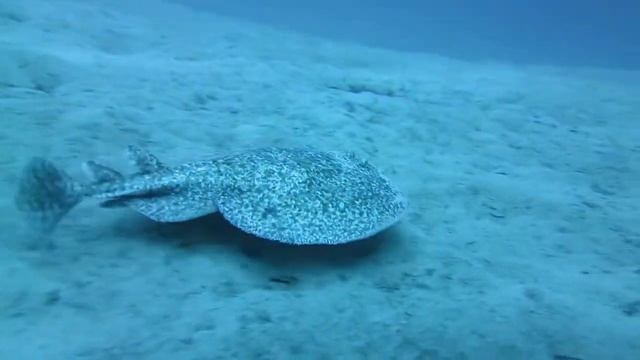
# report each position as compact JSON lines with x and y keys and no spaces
{"x":212,"y":232}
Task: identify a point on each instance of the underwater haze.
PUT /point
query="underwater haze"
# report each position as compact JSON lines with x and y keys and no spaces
{"x":213,"y":180}
{"x":593,"y":33}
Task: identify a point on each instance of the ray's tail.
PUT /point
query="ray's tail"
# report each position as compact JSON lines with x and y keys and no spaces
{"x":46,"y":194}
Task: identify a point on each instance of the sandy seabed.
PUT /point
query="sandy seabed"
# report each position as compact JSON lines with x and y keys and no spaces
{"x":521,"y":241}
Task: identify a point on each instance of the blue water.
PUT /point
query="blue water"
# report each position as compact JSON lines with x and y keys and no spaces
{"x":594,"y":33}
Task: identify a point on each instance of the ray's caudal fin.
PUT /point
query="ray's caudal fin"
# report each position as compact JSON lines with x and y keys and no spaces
{"x":46,"y":194}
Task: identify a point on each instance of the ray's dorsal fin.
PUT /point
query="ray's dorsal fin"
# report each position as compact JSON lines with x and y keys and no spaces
{"x":144,"y":160}
{"x":100,"y":173}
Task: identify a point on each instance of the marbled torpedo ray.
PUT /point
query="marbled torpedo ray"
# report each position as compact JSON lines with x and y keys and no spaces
{"x":296,"y":196}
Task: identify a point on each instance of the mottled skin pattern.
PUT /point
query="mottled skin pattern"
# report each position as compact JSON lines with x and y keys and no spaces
{"x":167,"y":195}
{"x":306,"y":197}
{"x":296,"y":196}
